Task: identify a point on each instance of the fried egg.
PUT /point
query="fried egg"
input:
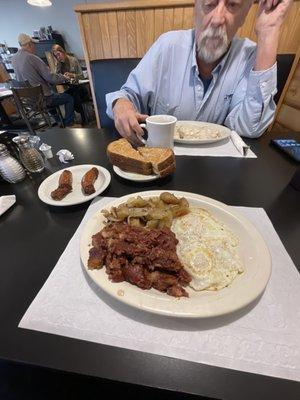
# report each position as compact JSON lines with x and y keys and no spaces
{"x":207,"y":249}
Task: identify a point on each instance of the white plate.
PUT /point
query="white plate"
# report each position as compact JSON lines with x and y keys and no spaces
{"x":76,"y":196}
{"x":131,"y":176}
{"x":245,"y":288}
{"x":222,"y":130}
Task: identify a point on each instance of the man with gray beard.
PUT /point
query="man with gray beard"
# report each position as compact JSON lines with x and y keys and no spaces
{"x":206,"y":73}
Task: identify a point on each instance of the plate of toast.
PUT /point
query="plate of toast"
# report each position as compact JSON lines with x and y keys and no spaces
{"x":74,"y":185}
{"x":131,"y":176}
{"x":197,"y":132}
{"x":141,"y":164}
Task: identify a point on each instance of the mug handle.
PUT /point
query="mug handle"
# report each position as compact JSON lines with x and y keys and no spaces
{"x":144,"y":126}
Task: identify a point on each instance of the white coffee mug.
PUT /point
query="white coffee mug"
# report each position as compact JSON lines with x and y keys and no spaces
{"x":160,"y":130}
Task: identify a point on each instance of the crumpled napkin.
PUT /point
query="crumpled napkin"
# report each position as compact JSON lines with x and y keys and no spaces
{"x":65,"y":156}
{"x":241,"y":146}
{"x":6,"y":202}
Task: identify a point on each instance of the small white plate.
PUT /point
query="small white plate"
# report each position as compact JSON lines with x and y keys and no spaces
{"x":245,"y":288}
{"x":131,"y":176}
{"x":223,"y":132}
{"x":76,"y":196}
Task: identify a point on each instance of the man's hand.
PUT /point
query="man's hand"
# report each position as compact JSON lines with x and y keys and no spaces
{"x":127,"y":121}
{"x":270,"y":15}
{"x":269,"y":19}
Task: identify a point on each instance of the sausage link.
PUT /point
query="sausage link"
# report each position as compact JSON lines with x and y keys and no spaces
{"x":65,"y":179}
{"x":64,"y":186}
{"x":88,"y":180}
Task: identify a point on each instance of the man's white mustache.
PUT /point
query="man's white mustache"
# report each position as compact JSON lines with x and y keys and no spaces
{"x":210,"y":52}
{"x":214,"y":33}
{"x":213,"y":37}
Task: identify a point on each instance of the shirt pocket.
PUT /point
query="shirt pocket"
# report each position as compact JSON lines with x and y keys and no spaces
{"x":223,"y":108}
{"x":162,"y":106}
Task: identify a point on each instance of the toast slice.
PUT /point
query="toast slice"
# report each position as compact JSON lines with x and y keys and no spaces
{"x":162,"y":159}
{"x":123,"y":155}
{"x":166,"y":171}
{"x":144,"y":160}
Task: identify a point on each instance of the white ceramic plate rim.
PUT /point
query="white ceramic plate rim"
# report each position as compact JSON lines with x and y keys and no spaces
{"x":46,"y":198}
{"x":243,"y":290}
{"x":225,"y":132}
{"x":131,"y":176}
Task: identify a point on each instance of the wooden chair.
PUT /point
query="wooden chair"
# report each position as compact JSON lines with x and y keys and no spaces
{"x":55,"y":110}
{"x":14,"y":83}
{"x":287,"y":117}
{"x":284,"y":66}
{"x":31,"y":105}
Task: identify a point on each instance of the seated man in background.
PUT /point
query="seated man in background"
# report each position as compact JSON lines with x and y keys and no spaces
{"x":29,"y":67}
{"x":207,"y":74}
{"x":69,"y":66}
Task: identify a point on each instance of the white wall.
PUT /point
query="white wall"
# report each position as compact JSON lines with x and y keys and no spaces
{"x":17,"y":16}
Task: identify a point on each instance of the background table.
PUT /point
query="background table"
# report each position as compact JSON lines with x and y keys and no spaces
{"x":33,"y":235}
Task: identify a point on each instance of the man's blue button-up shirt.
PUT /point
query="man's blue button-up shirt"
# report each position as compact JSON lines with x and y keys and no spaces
{"x":166,"y":81}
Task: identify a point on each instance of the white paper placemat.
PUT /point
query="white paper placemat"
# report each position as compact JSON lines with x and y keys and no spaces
{"x":224,"y":148}
{"x":266,"y":340}
{"x":6,"y":202}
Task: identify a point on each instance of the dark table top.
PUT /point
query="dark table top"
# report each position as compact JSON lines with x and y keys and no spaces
{"x":33,"y":235}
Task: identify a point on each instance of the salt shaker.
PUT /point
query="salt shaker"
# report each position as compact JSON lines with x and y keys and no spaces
{"x":10,"y":169}
{"x":30,"y":157}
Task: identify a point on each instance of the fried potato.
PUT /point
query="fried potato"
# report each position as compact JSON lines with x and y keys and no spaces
{"x":152,"y":223}
{"x":155,"y":212}
{"x":178,"y":211}
{"x":138,"y":212}
{"x":133,"y":221}
{"x":122,"y":212}
{"x":169,"y":198}
{"x":184,"y":203}
{"x":137,"y":202}
{"x":158,"y":213}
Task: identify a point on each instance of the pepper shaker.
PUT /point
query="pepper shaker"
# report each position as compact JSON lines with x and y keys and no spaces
{"x":30,"y":157}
